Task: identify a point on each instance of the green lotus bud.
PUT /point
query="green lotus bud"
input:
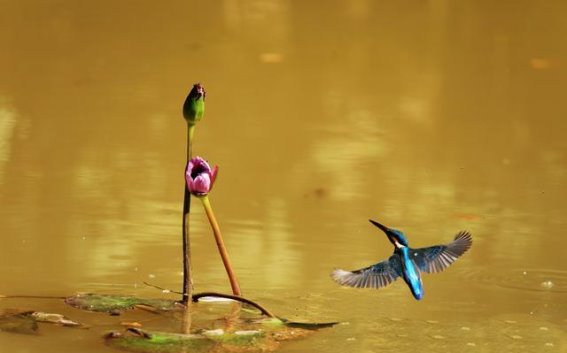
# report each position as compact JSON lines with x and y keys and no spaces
{"x":194,"y":106}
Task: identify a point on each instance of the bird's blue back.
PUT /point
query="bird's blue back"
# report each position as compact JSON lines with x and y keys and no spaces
{"x":410,"y":273}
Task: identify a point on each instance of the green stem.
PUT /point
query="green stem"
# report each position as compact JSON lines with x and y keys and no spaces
{"x":190,"y":132}
{"x":220,"y":244}
{"x":187,"y":275}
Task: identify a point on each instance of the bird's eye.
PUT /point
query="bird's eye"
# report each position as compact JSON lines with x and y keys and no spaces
{"x":415,"y":254}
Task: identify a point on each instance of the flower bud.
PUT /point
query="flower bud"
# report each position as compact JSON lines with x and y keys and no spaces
{"x":194,"y":106}
{"x":199,"y":176}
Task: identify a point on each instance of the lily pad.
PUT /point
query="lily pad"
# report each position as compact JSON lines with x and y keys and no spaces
{"x":308,"y":325}
{"x":276,"y":322}
{"x":139,"y":341}
{"x":18,"y":322}
{"x":26,"y":322}
{"x":240,"y":338}
{"x":57,"y":319}
{"x":114,"y":304}
{"x":135,"y":340}
{"x":244,"y":336}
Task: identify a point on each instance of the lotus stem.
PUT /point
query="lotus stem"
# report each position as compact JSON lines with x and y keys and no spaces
{"x":220,"y":245}
{"x":262,"y":309}
{"x":190,"y":132}
{"x":187,"y":274}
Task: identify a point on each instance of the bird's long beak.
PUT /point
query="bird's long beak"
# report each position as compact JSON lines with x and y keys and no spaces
{"x":382,"y":227}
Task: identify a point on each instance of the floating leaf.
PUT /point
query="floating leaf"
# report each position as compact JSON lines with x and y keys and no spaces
{"x":54,"y":319}
{"x":272,"y":322}
{"x":275,"y":322}
{"x":18,"y":322}
{"x":113,"y":304}
{"x":26,"y":322}
{"x":244,"y":336}
{"x":308,"y":325}
{"x":237,"y":338}
{"x":138,"y":341}
{"x":135,"y":340}
{"x":101,"y":303}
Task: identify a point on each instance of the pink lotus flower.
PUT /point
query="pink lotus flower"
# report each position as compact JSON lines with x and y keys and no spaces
{"x":200,"y":176}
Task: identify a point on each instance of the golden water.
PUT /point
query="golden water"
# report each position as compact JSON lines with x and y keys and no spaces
{"x":430,"y":117}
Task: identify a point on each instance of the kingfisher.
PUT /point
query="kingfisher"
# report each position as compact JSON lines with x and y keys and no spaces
{"x":405,"y":262}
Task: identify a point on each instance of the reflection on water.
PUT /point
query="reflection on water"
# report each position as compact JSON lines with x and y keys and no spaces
{"x":341,"y":156}
{"x":431,"y":117}
{"x":7,"y":125}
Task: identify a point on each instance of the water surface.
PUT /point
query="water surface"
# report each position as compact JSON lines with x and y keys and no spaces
{"x":431,"y":117}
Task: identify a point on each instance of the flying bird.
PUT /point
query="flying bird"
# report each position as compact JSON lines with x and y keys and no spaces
{"x":405,"y":262}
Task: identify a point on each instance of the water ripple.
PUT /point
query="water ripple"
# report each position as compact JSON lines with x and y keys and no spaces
{"x":540,"y":280}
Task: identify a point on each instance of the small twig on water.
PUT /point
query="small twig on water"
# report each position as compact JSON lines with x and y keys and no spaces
{"x":165,"y":290}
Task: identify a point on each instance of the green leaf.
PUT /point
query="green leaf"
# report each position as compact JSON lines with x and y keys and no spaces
{"x":236,"y":338}
{"x":244,"y":336}
{"x":115,"y":303}
{"x":135,"y":340}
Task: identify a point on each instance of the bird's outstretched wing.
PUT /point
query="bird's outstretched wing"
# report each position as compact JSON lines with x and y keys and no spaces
{"x":439,"y":257}
{"x":375,"y":276}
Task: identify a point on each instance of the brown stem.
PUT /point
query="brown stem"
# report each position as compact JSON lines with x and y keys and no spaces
{"x":187,"y":320}
{"x":187,"y":275}
{"x":220,"y":245}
